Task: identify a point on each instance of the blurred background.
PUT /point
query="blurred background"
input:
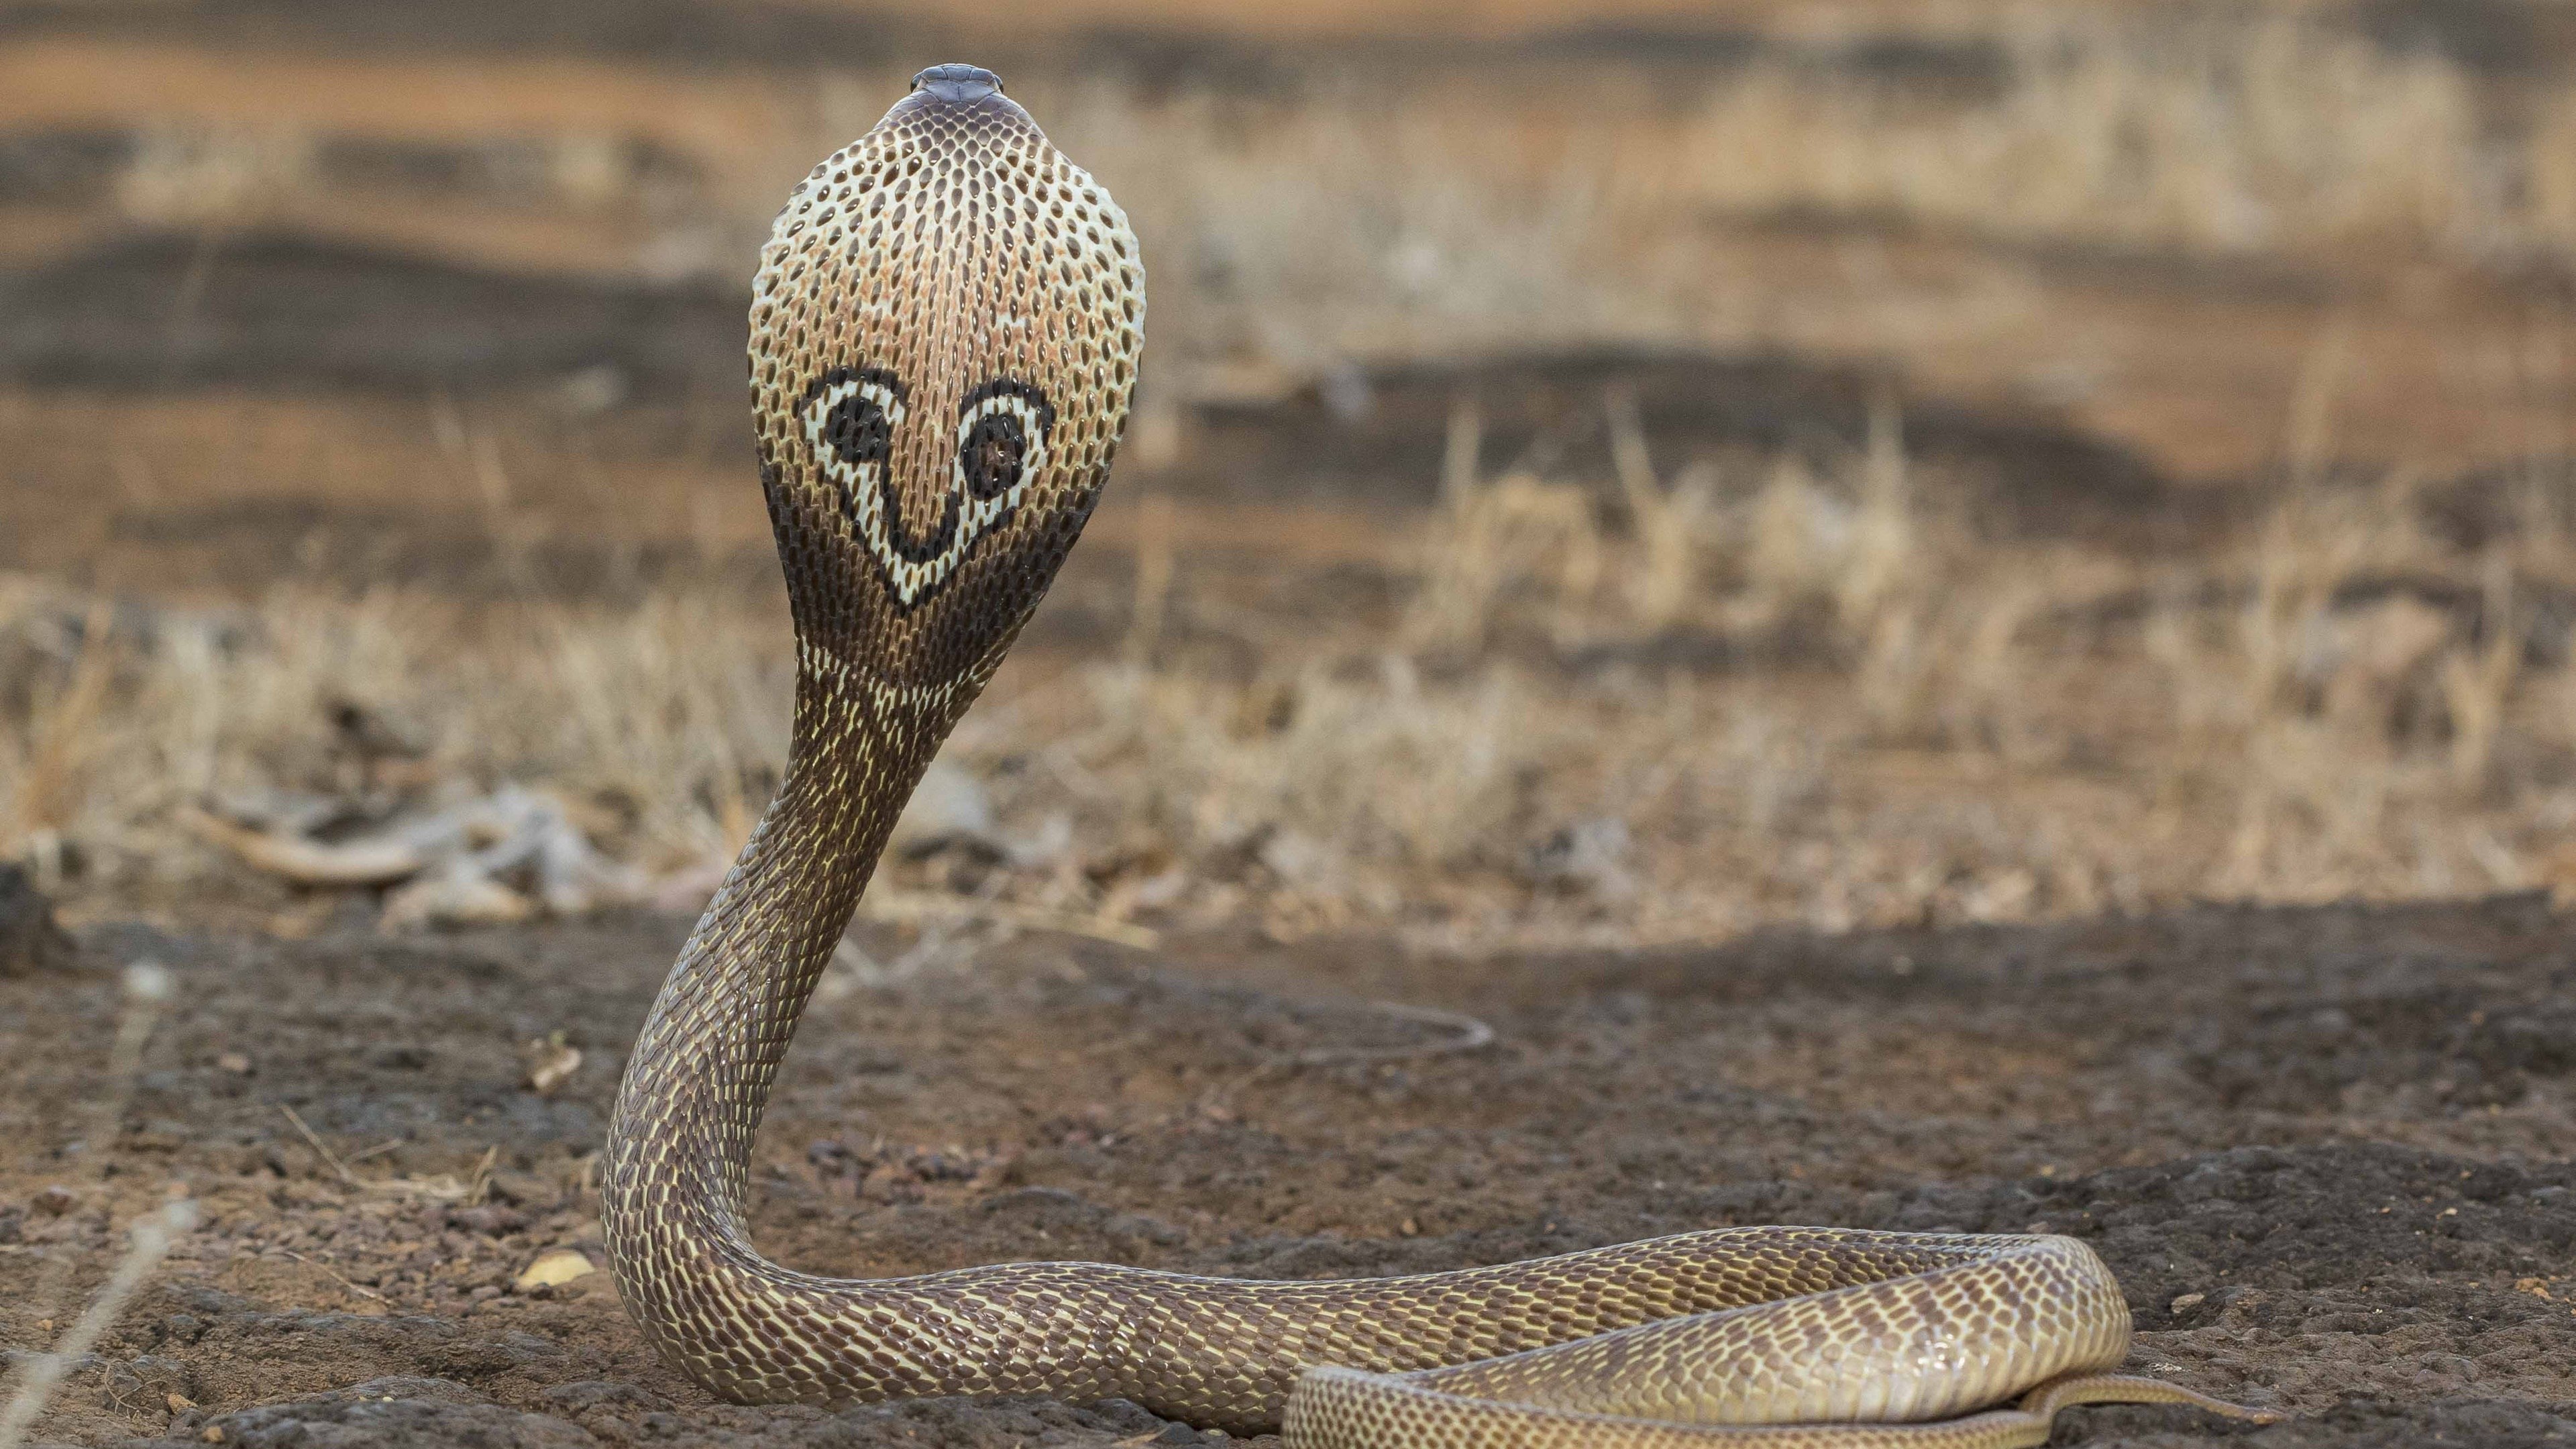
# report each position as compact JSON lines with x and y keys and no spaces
{"x":1606,"y":472}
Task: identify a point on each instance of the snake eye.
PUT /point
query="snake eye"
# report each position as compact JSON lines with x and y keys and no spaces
{"x":1001,"y":438}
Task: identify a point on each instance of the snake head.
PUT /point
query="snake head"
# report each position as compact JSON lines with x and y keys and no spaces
{"x":944,"y":338}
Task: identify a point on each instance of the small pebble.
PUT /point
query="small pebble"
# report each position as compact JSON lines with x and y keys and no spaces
{"x":179,"y":1403}
{"x":55,"y":1201}
{"x":551,"y":1063}
{"x":2188,"y":1300}
{"x":148,"y":982}
{"x":235,"y":1063}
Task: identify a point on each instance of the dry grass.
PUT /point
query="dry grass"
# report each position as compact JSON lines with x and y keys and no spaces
{"x":1684,"y":698}
{"x":1904,"y":722}
{"x":666,"y":722}
{"x":2248,"y":134}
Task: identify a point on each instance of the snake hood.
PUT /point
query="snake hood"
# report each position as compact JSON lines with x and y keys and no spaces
{"x":944,"y":338}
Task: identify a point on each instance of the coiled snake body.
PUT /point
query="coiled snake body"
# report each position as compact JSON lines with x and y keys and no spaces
{"x":944,"y":338}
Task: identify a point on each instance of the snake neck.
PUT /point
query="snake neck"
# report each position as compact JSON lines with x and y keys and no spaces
{"x":677,"y":1165}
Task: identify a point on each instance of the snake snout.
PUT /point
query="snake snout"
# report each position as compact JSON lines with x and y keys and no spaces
{"x":957,"y":83}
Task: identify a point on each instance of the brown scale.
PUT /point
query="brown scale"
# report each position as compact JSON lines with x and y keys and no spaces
{"x":944,"y":334}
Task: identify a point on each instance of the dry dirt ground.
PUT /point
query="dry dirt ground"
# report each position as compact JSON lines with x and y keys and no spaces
{"x":442,"y":297}
{"x":2323,"y":1149}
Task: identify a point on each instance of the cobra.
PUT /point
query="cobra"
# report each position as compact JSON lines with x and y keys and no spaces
{"x":944,"y":338}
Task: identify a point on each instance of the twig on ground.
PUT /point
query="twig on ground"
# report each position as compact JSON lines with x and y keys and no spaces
{"x":152,"y":1241}
{"x":329,"y":1158}
{"x":1471,"y":1035}
{"x":147,"y":988}
{"x":1118,"y":1045}
{"x":308,"y":862}
{"x":440,"y":1189}
{"x":358,"y":1288}
{"x":481,"y":1183}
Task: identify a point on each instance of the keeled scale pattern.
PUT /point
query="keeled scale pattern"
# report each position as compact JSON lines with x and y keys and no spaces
{"x":949,"y":258}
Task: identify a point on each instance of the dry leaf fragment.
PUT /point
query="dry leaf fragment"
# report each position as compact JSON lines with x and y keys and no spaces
{"x":554,"y":1268}
{"x":551,"y":1063}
